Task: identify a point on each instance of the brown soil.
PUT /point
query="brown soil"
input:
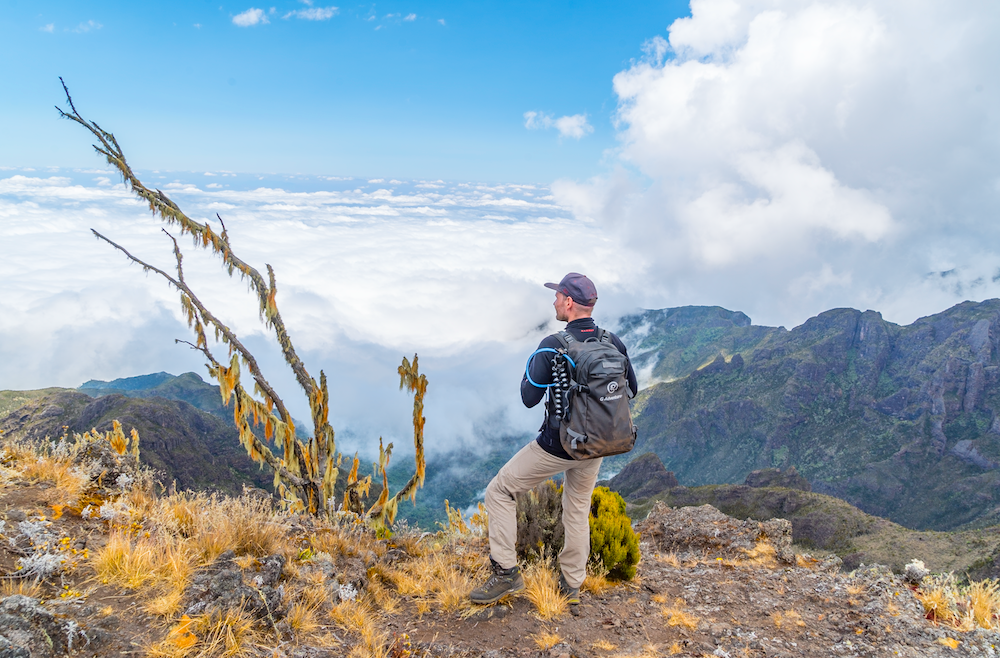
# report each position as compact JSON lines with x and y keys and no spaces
{"x":735,"y":610}
{"x":112,"y":622}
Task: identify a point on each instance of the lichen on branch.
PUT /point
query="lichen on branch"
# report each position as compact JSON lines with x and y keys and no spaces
{"x":305,"y":471}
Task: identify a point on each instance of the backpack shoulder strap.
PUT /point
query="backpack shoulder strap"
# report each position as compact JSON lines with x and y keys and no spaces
{"x":603,"y":336}
{"x":565,"y":338}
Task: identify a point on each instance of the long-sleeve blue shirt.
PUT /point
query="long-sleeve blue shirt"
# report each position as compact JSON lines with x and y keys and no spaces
{"x":541,"y":372}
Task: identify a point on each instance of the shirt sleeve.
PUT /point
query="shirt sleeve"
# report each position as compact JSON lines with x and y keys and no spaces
{"x":540,"y":368}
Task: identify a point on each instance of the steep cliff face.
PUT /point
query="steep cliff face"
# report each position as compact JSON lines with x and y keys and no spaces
{"x":899,"y":420}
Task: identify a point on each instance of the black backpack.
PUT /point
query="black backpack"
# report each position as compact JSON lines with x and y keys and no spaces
{"x":593,"y":412}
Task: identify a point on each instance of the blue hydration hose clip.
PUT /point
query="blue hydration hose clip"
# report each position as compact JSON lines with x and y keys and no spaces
{"x":527,"y":367}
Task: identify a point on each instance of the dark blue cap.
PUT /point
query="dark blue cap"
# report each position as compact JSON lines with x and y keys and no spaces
{"x":578,"y":287}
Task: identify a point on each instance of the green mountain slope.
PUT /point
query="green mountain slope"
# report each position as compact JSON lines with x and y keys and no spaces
{"x":898,"y":420}
{"x":186,"y":445}
{"x":188,"y":387}
{"x":671,"y":343}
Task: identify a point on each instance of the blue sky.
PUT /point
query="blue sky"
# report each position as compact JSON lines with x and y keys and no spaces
{"x":365,"y":92}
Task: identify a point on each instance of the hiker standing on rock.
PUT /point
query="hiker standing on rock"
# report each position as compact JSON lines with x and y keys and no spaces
{"x":581,"y":419}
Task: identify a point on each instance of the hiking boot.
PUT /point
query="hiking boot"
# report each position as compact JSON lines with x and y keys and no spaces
{"x":502,"y":583}
{"x":572,"y":594}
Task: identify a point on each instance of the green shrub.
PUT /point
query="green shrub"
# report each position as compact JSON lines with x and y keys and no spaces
{"x":613,"y":543}
{"x":539,"y":522}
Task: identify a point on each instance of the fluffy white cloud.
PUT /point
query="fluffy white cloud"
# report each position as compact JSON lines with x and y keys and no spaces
{"x":452,"y":272}
{"x":410,"y":17}
{"x":798,"y":155}
{"x":252,"y":16}
{"x":313,"y":13}
{"x":574,"y":126}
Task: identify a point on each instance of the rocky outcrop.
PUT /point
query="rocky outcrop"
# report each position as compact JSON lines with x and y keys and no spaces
{"x":643,"y":477}
{"x":705,"y":531}
{"x":223,"y":585}
{"x":27,"y":630}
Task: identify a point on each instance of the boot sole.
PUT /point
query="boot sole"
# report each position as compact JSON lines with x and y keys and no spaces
{"x":497,"y":598}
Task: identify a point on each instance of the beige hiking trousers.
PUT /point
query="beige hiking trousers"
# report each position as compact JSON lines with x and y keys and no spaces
{"x":525,"y":470}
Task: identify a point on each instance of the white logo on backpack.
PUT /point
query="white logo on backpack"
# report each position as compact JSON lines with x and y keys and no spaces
{"x":612,"y":387}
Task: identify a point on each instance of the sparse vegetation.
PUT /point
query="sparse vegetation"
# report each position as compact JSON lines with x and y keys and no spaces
{"x":337,"y":586}
{"x":541,"y":587}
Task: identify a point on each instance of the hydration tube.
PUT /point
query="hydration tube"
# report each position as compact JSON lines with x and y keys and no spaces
{"x":527,"y":368}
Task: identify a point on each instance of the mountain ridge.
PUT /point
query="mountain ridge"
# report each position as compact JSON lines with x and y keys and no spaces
{"x":899,"y":420}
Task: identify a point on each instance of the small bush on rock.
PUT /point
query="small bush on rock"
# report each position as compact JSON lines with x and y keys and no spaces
{"x":612,"y":541}
{"x":539,"y":522}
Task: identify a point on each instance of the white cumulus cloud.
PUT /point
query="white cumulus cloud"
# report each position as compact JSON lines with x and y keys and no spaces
{"x":574,"y":126}
{"x":794,"y":156}
{"x":250,"y":17}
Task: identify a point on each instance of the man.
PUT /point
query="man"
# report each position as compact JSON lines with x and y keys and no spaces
{"x":545,"y":457}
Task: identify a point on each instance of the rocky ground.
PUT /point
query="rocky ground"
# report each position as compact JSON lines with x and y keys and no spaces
{"x":708,"y":585}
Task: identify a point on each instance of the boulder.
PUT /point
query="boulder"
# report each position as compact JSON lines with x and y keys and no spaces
{"x":704,"y":530}
{"x":643,"y":477}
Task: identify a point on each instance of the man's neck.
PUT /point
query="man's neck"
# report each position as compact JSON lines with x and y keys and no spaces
{"x":579,"y":317}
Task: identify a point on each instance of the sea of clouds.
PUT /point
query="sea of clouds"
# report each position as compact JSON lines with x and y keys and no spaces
{"x":367,"y":271}
{"x":779,"y":158}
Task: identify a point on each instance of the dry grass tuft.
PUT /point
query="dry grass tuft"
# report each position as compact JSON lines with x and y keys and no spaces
{"x":938,"y":595}
{"x":545,"y":640}
{"x":232,"y":634}
{"x":541,"y":587}
{"x":134,"y":563}
{"x":213,"y":524}
{"x":27,"y":588}
{"x":788,"y":619}
{"x":302,"y":618}
{"x":603,"y":645}
{"x":442,"y":575}
{"x":167,"y":604}
{"x":763,"y":554}
{"x":69,"y":481}
{"x":229,"y":634}
{"x":984,"y":602}
{"x":596,"y":581}
{"x":677,"y":616}
{"x":357,"y":619}
{"x":670,"y":559}
{"x":674,"y":649}
{"x":382,"y":597}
